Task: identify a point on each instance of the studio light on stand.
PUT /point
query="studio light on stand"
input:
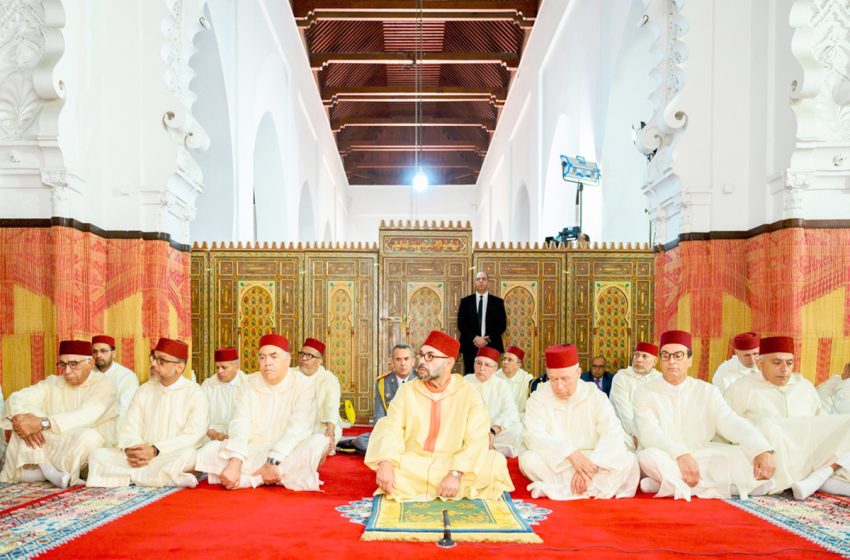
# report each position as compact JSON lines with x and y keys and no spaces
{"x":581,"y":172}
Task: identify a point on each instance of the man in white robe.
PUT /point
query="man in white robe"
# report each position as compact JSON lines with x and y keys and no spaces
{"x":59,"y":421}
{"x":626,"y":381}
{"x":272,"y":439}
{"x":125,"y":380}
{"x":831,"y":387}
{"x":677,"y":419}
{"x":741,"y":364}
{"x":812,"y":449}
{"x":328,"y":392}
{"x":518,"y":379}
{"x":161,"y":431}
{"x":575,"y":443}
{"x":220,"y":390}
{"x":505,"y":423}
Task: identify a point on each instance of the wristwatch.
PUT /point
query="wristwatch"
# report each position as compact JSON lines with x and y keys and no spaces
{"x":456,"y":474}
{"x":45,"y":423}
{"x":273,"y":461}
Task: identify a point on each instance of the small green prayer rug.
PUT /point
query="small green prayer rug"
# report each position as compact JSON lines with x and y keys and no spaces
{"x":471,"y":521}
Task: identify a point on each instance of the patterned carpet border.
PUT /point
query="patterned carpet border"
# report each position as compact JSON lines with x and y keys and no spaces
{"x":823,"y":519}
{"x":51,"y":522}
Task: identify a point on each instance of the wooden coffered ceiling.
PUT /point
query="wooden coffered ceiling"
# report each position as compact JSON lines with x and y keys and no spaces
{"x":362,"y":54}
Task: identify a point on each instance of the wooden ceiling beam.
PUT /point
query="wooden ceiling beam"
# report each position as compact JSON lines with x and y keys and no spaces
{"x":320,"y":61}
{"x":412,"y":16}
{"x":338,"y":124}
{"x":407,"y":94}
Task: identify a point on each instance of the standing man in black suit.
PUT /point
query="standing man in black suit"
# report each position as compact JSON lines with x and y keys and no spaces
{"x":481,"y":321}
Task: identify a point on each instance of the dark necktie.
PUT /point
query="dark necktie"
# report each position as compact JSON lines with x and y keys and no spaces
{"x":598,"y":382}
{"x":480,"y":311}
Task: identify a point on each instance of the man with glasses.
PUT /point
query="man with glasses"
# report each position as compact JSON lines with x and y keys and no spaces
{"x":678,"y":418}
{"x":59,"y":421}
{"x":812,"y":449}
{"x":516,"y":378}
{"x":576,"y":446}
{"x":220,"y":390}
{"x":481,"y":321}
{"x":627,"y":380}
{"x":328,"y":392}
{"x":741,"y":364}
{"x":272,"y":439}
{"x":126,"y":381}
{"x":599,"y":375}
{"x":433,"y":442}
{"x":505,"y":424}
{"x":162,"y":430}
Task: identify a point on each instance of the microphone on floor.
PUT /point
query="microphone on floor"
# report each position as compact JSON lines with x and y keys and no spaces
{"x":446,"y":541}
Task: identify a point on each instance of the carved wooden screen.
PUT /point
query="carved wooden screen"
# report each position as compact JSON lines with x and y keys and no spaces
{"x":532,"y":285}
{"x":424,"y":274}
{"x":201,"y":352}
{"x":609,"y":302}
{"x":341,"y":308}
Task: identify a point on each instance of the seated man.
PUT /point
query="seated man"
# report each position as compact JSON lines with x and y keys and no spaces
{"x":831,"y":387}
{"x":677,"y":417}
{"x":812,"y":452}
{"x":505,"y":424}
{"x":433,"y":442}
{"x":326,"y":386}
{"x":220,"y":389}
{"x":627,"y":381}
{"x":741,"y":364}
{"x":126,"y":381}
{"x":516,"y":377}
{"x":271,"y":432}
{"x":58,"y":421}
{"x":576,"y":446}
{"x":386,"y":388}
{"x":599,"y":375}
{"x":162,"y":430}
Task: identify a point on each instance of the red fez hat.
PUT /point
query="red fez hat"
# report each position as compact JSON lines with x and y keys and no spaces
{"x":176,"y":348}
{"x":443,"y":342}
{"x":316,"y":344}
{"x":559,"y":356}
{"x":747,"y":341}
{"x":78,"y":347}
{"x":226,"y":355}
{"x":676,"y":337}
{"x":647,"y":347}
{"x":773,"y":344}
{"x":103,"y":339}
{"x":488,"y":352}
{"x":274,"y":339}
{"x":516,"y":351}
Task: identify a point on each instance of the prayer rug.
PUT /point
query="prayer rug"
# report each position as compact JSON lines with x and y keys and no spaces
{"x":17,"y":495}
{"x":471,"y":521}
{"x":823,"y":519}
{"x":33,"y":527}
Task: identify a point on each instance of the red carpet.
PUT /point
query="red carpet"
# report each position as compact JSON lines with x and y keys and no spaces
{"x":209,"y":522}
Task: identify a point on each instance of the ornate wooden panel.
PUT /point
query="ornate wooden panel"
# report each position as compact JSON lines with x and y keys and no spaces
{"x":424,"y":274}
{"x":340,"y":308}
{"x":609,"y":302}
{"x":200,"y":269}
{"x":531,"y":283}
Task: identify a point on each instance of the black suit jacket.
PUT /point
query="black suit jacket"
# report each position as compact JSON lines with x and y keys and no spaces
{"x":607,"y":379}
{"x":495,"y":321}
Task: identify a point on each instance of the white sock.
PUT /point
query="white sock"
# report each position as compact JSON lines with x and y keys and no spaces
{"x":246,"y":481}
{"x":58,"y":478}
{"x":213,"y":478}
{"x":804,"y":488}
{"x":32,"y":475}
{"x":761,"y":490}
{"x":836,"y":486}
{"x":649,"y":485}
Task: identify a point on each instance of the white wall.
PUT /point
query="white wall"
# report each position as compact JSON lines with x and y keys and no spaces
{"x":371,"y":204}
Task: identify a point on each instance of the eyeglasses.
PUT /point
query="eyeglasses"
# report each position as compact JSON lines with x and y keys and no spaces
{"x":307,"y":356}
{"x":675,"y":356}
{"x":73,"y":364}
{"x":161,"y":361}
{"x":487,"y":365}
{"x":430,"y":356}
